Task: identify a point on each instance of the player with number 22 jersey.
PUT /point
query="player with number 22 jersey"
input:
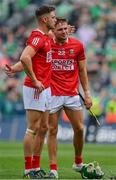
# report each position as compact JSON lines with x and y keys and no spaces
{"x":65,"y":67}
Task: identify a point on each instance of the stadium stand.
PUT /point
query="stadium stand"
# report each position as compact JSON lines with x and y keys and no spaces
{"x":95,"y":27}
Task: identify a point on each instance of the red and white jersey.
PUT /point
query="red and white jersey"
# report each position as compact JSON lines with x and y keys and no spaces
{"x":41,"y":61}
{"x":64,"y":79}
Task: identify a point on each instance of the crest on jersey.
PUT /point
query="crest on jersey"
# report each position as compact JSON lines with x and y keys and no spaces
{"x":71,"y":51}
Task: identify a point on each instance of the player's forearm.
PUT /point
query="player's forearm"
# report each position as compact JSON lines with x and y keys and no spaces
{"x":84,"y":81}
{"x":27,"y":65}
{"x":18,"y":67}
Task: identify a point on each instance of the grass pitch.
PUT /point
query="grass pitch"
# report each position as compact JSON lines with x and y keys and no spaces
{"x":11,"y":160}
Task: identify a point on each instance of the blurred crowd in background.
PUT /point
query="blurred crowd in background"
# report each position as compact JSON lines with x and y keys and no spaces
{"x":95,"y":23}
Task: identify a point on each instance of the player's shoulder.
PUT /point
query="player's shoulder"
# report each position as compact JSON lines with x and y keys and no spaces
{"x":75,"y":41}
{"x":36,"y":32}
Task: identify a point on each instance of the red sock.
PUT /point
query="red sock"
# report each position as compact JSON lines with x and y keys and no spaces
{"x":53,"y":167}
{"x":36,"y":162}
{"x":78,"y":159}
{"x":28,"y":162}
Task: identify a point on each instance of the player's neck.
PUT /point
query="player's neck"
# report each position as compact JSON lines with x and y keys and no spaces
{"x":60,"y":42}
{"x":43,"y":28}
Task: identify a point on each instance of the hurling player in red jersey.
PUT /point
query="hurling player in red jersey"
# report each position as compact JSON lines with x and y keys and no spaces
{"x":36,"y":61}
{"x":68,"y":67}
{"x":42,"y":129}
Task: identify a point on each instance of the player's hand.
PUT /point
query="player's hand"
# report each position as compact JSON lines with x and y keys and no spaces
{"x":87,"y":101}
{"x":38,"y":85}
{"x":9,"y":70}
{"x":71,"y":29}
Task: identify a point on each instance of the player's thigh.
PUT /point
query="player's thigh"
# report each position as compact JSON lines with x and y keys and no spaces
{"x":53,"y":120}
{"x":75,"y":117}
{"x":33,"y":118}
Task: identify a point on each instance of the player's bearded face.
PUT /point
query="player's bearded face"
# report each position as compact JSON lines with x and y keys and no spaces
{"x":51,"y":20}
{"x":61,"y":31}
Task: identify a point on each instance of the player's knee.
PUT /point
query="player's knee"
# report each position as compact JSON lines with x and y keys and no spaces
{"x":43,"y":130}
{"x":53,"y":130}
{"x":79,"y":129}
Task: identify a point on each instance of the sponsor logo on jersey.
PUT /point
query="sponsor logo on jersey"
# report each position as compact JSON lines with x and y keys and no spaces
{"x":63,"y":64}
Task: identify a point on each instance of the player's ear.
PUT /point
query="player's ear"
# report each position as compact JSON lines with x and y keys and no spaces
{"x":44,"y":19}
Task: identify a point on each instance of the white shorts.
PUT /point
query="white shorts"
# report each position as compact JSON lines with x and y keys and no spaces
{"x":71,"y":102}
{"x":35,"y":100}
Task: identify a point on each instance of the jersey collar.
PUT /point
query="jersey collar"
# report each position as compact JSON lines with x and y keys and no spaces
{"x":39,"y":30}
{"x":61,"y":44}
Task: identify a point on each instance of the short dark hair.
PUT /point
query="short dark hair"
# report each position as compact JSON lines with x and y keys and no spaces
{"x":60,"y":20}
{"x":43,"y":10}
